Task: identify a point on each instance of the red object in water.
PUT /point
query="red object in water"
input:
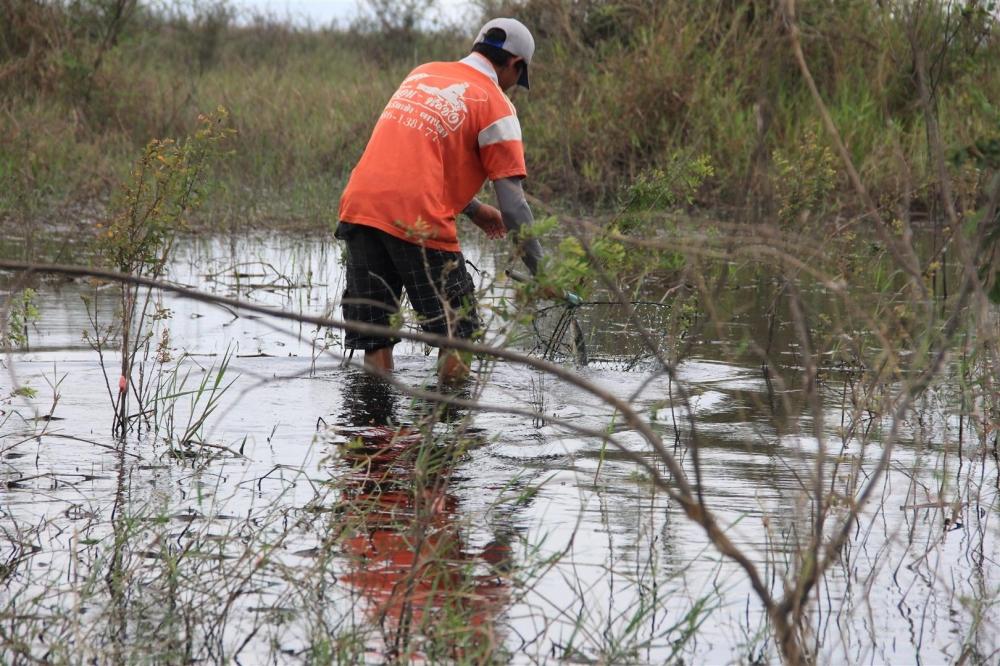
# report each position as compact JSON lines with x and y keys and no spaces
{"x":122,"y":384}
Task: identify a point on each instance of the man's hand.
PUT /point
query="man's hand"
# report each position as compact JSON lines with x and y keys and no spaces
{"x":490,"y":221}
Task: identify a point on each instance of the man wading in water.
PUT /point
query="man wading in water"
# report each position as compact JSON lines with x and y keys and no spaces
{"x":448,"y":128}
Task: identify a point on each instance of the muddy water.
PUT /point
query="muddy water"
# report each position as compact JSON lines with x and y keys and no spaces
{"x":549,"y":546}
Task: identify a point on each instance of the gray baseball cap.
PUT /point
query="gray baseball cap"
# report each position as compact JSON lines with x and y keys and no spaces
{"x":518,"y":42}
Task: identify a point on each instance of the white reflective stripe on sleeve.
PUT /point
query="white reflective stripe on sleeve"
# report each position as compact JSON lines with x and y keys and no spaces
{"x":505,"y":129}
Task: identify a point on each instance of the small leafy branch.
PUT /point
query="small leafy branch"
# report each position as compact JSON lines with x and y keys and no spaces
{"x":162,"y":189}
{"x":804,"y":181}
{"x":672,"y":185}
{"x":165,"y":185}
{"x":22,"y":312}
{"x":644,"y":207}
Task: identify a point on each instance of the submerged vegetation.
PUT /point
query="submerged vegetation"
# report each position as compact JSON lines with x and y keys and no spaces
{"x":783,"y":446}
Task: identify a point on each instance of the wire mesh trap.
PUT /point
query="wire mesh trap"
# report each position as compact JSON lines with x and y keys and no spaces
{"x":599,"y":334}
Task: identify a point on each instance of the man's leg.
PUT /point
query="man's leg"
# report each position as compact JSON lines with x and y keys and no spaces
{"x":443,"y":294}
{"x":372,"y":293}
{"x":380,"y":359}
{"x":453,"y":366}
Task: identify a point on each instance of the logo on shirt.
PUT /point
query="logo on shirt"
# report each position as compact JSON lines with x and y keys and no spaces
{"x":448,"y":100}
{"x":433,"y":105}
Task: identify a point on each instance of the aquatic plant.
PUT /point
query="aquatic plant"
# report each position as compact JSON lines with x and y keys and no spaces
{"x":21,"y":313}
{"x":185,"y":431}
{"x":805,"y":182}
{"x":163,"y":187}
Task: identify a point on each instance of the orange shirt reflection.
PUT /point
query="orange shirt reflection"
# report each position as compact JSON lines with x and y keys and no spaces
{"x":408,"y":556}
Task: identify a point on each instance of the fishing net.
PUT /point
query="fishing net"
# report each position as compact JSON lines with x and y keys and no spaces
{"x":599,"y":334}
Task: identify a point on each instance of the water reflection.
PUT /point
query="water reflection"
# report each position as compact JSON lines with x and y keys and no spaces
{"x":914,"y":583}
{"x":424,"y":588}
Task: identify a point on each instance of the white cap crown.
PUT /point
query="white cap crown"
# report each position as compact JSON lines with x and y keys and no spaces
{"x":519,"y":41}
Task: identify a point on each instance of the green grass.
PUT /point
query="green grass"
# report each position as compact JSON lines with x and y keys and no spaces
{"x":633,"y":85}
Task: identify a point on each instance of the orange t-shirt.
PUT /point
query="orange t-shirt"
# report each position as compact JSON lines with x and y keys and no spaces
{"x":446,"y":130}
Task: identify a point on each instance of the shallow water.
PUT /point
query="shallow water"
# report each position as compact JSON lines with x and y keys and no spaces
{"x":548,"y":544}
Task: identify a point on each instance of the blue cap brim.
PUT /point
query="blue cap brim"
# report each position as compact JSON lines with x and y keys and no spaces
{"x":523,"y":80}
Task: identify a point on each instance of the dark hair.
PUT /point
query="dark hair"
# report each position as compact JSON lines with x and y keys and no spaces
{"x":494,"y":54}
